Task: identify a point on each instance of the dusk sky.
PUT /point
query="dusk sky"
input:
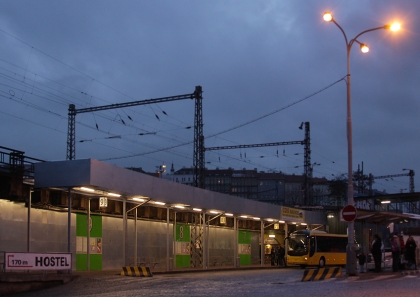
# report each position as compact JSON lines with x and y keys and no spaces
{"x":264,"y":66}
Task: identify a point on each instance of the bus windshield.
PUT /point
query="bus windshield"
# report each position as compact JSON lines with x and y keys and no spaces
{"x":298,"y":245}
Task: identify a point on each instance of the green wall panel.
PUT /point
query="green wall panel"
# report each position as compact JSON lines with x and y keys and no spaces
{"x":245,"y":259}
{"x":182,"y":245}
{"x":81,"y":225}
{"x":95,"y":262}
{"x":244,"y":237}
{"x":182,"y":261}
{"x":81,"y":260}
{"x":95,"y":244}
{"x":244,"y":247}
{"x":182,"y":232}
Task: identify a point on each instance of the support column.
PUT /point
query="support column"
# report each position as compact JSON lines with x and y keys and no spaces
{"x":173,"y":241}
{"x":204,"y":242}
{"x":235,"y":240}
{"x":124,"y":231}
{"x":88,"y":236}
{"x":69,"y":223}
{"x":135,"y":238}
{"x":29,"y":222}
{"x":262,"y":243}
{"x":69,"y":220}
{"x":286,"y":242}
{"x":207,"y":250}
{"x":168,"y":263}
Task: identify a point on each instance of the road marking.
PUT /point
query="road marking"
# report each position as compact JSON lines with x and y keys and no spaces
{"x":368,"y":279}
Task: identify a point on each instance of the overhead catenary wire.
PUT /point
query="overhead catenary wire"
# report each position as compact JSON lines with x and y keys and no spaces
{"x":106,"y":85}
{"x":23,"y":101}
{"x":113,"y":119}
{"x":244,"y":124}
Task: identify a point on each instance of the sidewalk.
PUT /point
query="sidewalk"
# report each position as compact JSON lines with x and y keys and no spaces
{"x":156,"y":271}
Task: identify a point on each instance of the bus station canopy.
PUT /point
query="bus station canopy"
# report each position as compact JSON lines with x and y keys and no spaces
{"x":383,"y":217}
{"x":105,"y":179}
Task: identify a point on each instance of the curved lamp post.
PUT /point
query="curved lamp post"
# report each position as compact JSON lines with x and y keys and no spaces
{"x":351,"y":266}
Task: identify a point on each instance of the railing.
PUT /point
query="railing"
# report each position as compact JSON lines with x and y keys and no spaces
{"x":14,"y":161}
{"x":386,"y":261}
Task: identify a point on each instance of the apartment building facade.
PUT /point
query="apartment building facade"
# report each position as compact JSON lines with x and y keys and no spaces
{"x":276,"y":188}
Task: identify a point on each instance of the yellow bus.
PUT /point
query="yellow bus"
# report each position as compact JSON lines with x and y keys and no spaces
{"x":316,"y":248}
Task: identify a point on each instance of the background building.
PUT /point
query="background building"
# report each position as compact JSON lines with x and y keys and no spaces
{"x":271,"y":187}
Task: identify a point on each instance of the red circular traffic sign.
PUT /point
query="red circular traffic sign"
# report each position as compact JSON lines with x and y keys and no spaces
{"x":349,"y":213}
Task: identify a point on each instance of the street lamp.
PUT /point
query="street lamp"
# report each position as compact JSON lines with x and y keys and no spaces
{"x":161,"y":169}
{"x":351,"y":266}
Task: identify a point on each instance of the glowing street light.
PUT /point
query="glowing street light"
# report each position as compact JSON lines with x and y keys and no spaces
{"x":364,"y":48}
{"x":351,"y":266}
{"x":328,"y":17}
{"x":394,"y":27}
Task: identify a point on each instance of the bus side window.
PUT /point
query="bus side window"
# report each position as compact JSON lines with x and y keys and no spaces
{"x":323,"y":244}
{"x":312,"y":246}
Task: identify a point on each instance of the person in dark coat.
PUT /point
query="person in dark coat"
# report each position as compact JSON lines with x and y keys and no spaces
{"x":282,"y":254}
{"x":402,"y":244}
{"x":273,"y":256}
{"x":410,"y":251}
{"x":396,"y":253}
{"x":376,"y":252}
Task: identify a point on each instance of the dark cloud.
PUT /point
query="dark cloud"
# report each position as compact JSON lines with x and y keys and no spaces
{"x":251,"y":57}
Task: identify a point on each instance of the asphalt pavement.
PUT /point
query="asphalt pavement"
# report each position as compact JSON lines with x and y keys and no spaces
{"x":220,"y":281}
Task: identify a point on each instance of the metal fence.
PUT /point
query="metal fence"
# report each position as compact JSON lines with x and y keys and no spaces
{"x":15,"y":162}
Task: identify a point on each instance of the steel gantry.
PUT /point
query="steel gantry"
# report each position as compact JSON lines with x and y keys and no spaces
{"x":402,"y":201}
{"x":199,"y":158}
{"x":410,"y":173}
{"x":196,"y":240}
{"x":198,"y":127}
{"x":307,"y":183}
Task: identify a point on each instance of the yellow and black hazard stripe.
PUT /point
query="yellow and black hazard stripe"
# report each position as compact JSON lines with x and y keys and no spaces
{"x":321,"y":273}
{"x":136,"y":271}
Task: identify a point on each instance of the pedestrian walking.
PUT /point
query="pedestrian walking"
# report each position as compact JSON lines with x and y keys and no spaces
{"x":376,"y":252}
{"x":402,"y":251}
{"x":272,"y":256}
{"x":402,"y":243}
{"x":410,"y":252}
{"x":396,"y":253}
{"x":282,"y":254}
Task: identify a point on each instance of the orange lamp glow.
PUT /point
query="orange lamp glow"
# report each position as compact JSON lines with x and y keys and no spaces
{"x":328,"y":17}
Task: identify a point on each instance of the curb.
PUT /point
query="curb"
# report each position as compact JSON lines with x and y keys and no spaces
{"x":410,"y":272}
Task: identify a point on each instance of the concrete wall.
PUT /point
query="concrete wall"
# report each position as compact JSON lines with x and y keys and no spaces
{"x":221,"y":247}
{"x":151,"y":241}
{"x":48,"y":229}
{"x":49,"y":234}
{"x":255,"y":248}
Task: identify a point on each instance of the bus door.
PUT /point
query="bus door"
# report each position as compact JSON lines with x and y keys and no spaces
{"x":312,"y":246}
